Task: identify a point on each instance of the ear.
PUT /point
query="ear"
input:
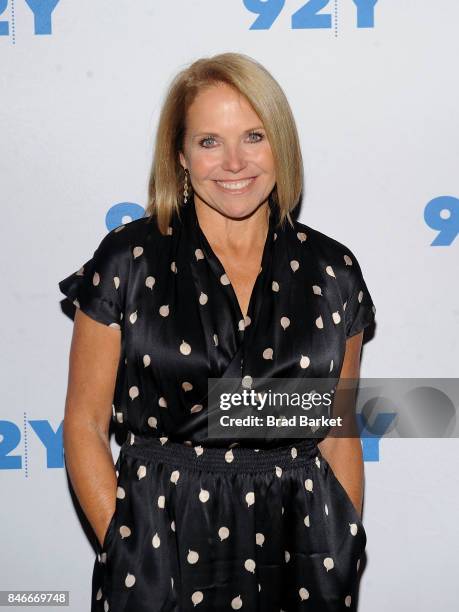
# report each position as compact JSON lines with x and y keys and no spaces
{"x":182,"y":160}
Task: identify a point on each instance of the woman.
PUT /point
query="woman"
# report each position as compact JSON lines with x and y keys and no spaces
{"x":215,"y":281}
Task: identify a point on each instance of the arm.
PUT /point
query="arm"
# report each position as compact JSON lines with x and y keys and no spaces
{"x":345,"y":454}
{"x":93,"y":362}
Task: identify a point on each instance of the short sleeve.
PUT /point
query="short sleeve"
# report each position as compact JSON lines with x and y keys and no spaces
{"x":359,"y":309}
{"x":97,"y":288}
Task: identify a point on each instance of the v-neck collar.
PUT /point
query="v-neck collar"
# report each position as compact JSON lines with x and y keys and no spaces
{"x":220,"y":272}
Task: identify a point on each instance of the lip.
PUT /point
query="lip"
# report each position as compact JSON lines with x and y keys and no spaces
{"x":237,"y":191}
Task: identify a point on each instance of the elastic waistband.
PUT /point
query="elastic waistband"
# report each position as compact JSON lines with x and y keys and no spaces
{"x":213,"y":459}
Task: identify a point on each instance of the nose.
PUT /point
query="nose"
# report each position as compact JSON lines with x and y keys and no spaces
{"x":233,"y":158}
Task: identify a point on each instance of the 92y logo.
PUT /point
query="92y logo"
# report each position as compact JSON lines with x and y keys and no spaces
{"x":42,"y":11}
{"x":308,"y":16}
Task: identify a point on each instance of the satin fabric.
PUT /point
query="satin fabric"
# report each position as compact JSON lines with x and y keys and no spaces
{"x":180,"y":323}
{"x":216,"y":529}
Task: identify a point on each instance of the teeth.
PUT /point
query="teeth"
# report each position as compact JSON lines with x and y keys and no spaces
{"x":235,"y":185}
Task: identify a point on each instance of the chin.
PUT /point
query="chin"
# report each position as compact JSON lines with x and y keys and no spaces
{"x":238,"y":209}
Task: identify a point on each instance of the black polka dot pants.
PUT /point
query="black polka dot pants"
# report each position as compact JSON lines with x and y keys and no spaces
{"x":209,"y":529}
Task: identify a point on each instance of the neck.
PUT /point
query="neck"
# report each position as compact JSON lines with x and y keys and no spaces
{"x":230,"y":235}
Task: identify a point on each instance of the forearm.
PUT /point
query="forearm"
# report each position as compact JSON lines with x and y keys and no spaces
{"x":90,"y":466}
{"x":346,"y":460}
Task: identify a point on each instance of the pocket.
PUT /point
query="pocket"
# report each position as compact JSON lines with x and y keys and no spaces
{"x":108,"y":533}
{"x":341,"y":491}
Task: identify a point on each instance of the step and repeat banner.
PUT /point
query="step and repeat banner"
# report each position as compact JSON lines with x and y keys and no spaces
{"x":374,"y":89}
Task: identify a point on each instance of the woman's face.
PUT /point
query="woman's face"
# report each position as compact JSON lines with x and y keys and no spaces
{"x":227,"y":153}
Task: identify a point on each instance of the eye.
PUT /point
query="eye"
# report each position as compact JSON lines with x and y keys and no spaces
{"x":205,"y":142}
{"x":256,"y":136}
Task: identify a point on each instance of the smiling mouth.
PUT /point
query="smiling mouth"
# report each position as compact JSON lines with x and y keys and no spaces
{"x":236,"y":185}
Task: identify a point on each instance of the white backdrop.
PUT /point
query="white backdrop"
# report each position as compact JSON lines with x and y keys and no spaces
{"x":377,"y":111}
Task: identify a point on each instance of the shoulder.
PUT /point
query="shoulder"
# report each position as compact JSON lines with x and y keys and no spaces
{"x":332,"y":256}
{"x":123,"y":239}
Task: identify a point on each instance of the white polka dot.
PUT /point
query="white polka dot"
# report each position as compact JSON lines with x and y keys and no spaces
{"x":197,"y":598}
{"x":250,"y":498}
{"x":303,"y":593}
{"x":185,"y":348}
{"x":156,"y":541}
{"x":192,"y":557}
{"x":175,"y":476}
{"x":328,"y":563}
{"x":203,"y":496}
{"x":129,"y":580}
{"x":247,"y":381}
{"x":285,"y":322}
{"x":164,"y":310}
{"x":150,"y":281}
{"x":133,"y":392}
{"x":133,"y":317}
{"x":223,"y":533}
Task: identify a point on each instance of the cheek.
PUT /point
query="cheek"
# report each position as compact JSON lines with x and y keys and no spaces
{"x":202,"y":164}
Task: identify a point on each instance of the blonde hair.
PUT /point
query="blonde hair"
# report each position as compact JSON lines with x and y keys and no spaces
{"x":264,"y":94}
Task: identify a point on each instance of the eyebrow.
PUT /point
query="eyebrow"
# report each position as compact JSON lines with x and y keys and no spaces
{"x":253,"y":129}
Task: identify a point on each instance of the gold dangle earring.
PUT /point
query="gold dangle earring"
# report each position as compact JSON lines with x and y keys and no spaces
{"x":185,"y":188}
